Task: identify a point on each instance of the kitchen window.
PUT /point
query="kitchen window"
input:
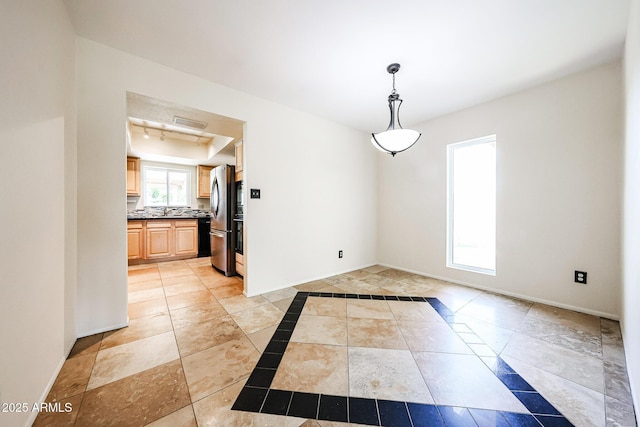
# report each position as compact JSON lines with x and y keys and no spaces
{"x":166,"y":187}
{"x":471,"y":205}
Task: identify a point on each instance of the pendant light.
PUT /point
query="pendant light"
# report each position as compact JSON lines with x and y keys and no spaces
{"x":394,"y":139}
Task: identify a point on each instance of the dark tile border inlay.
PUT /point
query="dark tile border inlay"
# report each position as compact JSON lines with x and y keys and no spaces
{"x":258,"y":396}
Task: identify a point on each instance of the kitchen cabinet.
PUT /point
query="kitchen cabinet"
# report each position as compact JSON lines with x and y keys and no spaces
{"x":186,"y":237}
{"x":239,"y":161}
{"x":135,"y":239}
{"x":159,"y":239}
{"x":204,"y":191}
{"x":162,"y":240}
{"x":133,"y":176}
{"x":240,"y":264}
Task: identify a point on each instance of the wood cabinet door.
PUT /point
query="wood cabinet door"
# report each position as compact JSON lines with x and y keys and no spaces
{"x":239,"y":152}
{"x":135,"y":240}
{"x":203,"y":181}
{"x":186,"y":240}
{"x":159,"y":242}
{"x":133,"y":176}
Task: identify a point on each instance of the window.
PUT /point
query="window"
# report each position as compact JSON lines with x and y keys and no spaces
{"x":166,"y":187}
{"x":471,"y":205}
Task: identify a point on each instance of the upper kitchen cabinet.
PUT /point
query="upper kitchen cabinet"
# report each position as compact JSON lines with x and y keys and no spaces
{"x":203,"y":181}
{"x":133,"y":176}
{"x":239,"y":161}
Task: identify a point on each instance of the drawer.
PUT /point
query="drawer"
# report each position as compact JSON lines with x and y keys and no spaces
{"x":158,"y":224}
{"x":186,"y":222}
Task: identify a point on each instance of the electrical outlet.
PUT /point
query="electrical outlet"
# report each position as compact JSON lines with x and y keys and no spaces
{"x":255,"y":193}
{"x":340,"y":254}
{"x":580,"y":277}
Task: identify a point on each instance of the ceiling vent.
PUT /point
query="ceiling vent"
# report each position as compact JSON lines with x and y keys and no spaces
{"x":194,"y":124}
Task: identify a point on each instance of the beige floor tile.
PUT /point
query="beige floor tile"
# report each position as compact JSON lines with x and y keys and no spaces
{"x":464,"y":380}
{"x":458,"y":290}
{"x":359,"y":274}
{"x":211,"y":370}
{"x":241,"y":303}
{"x":174,"y":268}
{"x":386,"y":374}
{"x":73,"y":377}
{"x":228,"y":290}
{"x":557,"y":360}
{"x":257,"y":318}
{"x":418,"y":311}
{"x":148,"y":308}
{"x":201,"y":336}
{"x":139,"y":328}
{"x":145,"y":275}
{"x":409,"y":288}
{"x":196,"y":314}
{"x":190,"y":298}
{"x":317,"y":306}
{"x":215,"y":411}
{"x":145,"y":295}
{"x":189,"y":277}
{"x":497,"y":309}
{"x":55,"y":419}
{"x":567,"y":318}
{"x":184,"y":288}
{"x":357,"y":287}
{"x":368,"y":309}
{"x":261,"y":338}
{"x":558,"y":333}
{"x":312,"y":286}
{"x":283,"y":304}
{"x":124,"y":360}
{"x":581,"y":405}
{"x":143,"y":286}
{"x":313,"y":368}
{"x":221,"y":280}
{"x":492,"y":335}
{"x":321,"y":330}
{"x":375,"y":333}
{"x":280,"y":294}
{"x":432,"y":336}
{"x":571,"y":358}
{"x":395,"y":274}
{"x":181,"y":418}
{"x":137,"y":399}
{"x":375,"y":269}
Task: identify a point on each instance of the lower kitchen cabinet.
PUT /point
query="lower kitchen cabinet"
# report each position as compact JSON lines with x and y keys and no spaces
{"x":162,"y":240}
{"x":186,"y":237}
{"x":159,"y":239}
{"x":135,"y":239}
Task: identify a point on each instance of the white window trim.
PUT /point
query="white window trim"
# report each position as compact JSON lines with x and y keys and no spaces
{"x":145,"y":168}
{"x":450,"y":263}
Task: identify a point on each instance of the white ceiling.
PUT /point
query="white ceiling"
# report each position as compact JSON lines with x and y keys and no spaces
{"x":329,"y":57}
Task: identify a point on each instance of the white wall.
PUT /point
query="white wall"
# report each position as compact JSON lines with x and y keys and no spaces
{"x":558,"y":192}
{"x":631,"y":213}
{"x":37,"y":241}
{"x":317,"y":179}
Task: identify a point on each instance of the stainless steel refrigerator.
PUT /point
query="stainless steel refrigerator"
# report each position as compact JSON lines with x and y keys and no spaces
{"x":223,"y":194}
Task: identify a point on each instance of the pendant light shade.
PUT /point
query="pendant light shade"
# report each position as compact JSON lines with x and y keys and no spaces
{"x":395,"y":139}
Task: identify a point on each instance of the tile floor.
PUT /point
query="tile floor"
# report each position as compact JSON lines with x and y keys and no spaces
{"x":374,"y":346}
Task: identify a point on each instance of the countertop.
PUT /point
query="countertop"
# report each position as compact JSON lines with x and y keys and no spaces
{"x":153,"y":214}
{"x":152,"y":217}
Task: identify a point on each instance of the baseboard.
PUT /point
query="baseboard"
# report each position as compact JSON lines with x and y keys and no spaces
{"x":512,"y":294}
{"x":47,"y":389}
